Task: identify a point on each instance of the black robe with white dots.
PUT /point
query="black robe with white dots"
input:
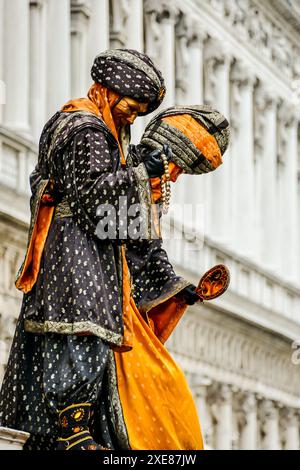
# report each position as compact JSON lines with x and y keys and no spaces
{"x":70,"y":319}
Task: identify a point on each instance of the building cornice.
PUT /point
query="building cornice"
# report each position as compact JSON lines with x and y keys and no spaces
{"x":17,"y":140}
{"x":289,"y":10}
{"x":256,"y":33}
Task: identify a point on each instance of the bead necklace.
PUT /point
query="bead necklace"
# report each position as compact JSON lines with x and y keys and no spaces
{"x":165,"y":185}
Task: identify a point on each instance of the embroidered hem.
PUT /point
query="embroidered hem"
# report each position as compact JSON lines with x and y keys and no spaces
{"x":86,"y":327}
{"x":117,"y":416}
{"x":144,"y":190}
{"x":174,"y":288}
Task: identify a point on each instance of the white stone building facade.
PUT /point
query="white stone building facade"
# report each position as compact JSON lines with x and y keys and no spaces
{"x":239,"y":352}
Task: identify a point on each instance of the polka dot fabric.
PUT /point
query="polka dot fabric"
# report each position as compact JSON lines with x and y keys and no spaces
{"x":151,"y":270}
{"x":48,"y":372}
{"x":78,"y":291}
{"x":79,"y":282}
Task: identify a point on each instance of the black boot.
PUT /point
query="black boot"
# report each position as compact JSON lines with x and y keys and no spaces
{"x":75,"y":434}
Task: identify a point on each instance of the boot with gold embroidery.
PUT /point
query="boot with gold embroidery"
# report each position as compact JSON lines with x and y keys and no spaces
{"x":75,"y":434}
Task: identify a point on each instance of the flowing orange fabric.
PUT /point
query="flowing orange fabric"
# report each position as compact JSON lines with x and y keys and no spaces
{"x":157,"y":404}
{"x":127,"y":314}
{"x":196,"y":133}
{"x":164,"y":317}
{"x":99,"y":101}
{"x":32,"y":262}
{"x":174,"y":170}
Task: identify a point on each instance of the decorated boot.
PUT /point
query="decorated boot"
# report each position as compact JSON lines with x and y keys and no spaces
{"x":75,"y":434}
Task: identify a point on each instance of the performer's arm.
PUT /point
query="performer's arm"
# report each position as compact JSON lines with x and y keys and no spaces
{"x":153,"y":275}
{"x":34,"y":178}
{"x":165,"y":275}
{"x":89,"y":180}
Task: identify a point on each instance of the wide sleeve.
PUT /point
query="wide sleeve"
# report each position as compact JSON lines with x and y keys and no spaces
{"x":34,"y":178}
{"x":154,"y":278}
{"x":156,"y":286}
{"x":105,"y":200}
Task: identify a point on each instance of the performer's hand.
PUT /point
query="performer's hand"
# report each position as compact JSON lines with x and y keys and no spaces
{"x":190,"y":295}
{"x":153,"y":161}
{"x":168,"y":152}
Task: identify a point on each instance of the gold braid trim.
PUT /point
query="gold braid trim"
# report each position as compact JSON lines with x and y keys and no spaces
{"x":62,"y":210}
{"x":88,"y":438}
{"x":76,"y":405}
{"x":144,"y":192}
{"x":86,"y":327}
{"x":62,"y":439}
{"x":116,"y":413}
{"x":176,"y":287}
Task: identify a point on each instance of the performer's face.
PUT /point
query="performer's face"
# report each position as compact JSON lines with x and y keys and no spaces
{"x":127,"y":110}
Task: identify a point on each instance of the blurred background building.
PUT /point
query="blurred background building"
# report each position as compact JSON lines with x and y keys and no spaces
{"x":239,"y":352}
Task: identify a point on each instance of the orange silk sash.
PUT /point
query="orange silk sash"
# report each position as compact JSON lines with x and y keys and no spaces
{"x":29,"y":273}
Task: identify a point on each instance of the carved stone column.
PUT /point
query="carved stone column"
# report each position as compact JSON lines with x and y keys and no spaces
{"x":200,"y":387}
{"x":220,"y":398}
{"x":161,"y":17}
{"x":168,"y":17}
{"x":246,"y":407}
{"x":3,"y":263}
{"x":2,"y":78}
{"x":119,"y":14}
{"x":288,"y":192}
{"x":242,"y":160}
{"x":217,"y":66}
{"x":217,"y":86}
{"x":289,"y":423}
{"x":196,"y":38}
{"x":298,"y":203}
{"x":153,"y":41}
{"x":58,"y":54}
{"x":196,"y":194}
{"x":135,"y":28}
{"x":269,"y":420}
{"x":182,"y":59}
{"x":16,"y":60}
{"x":80,"y":15}
{"x":265,"y":176}
{"x":38,"y":54}
{"x":98,"y":32}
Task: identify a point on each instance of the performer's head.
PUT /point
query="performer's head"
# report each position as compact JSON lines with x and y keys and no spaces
{"x":197,"y":135}
{"x":135,"y":87}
